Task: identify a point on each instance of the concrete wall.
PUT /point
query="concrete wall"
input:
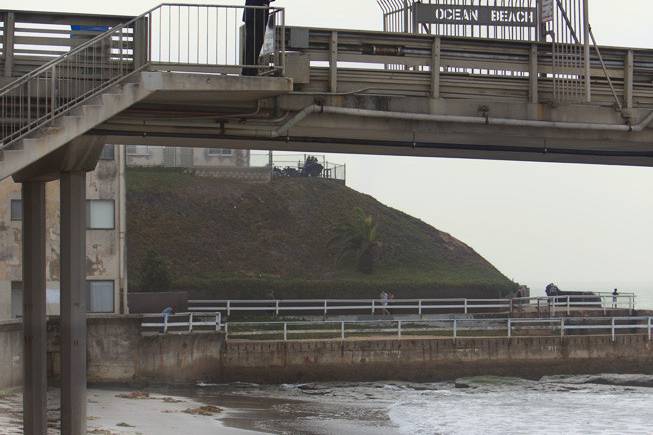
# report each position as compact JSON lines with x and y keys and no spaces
{"x":118,"y":353}
{"x":150,"y":156}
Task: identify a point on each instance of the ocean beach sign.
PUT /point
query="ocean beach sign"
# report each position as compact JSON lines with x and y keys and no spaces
{"x":476,"y":15}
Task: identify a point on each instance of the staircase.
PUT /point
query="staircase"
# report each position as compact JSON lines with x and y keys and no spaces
{"x":70,"y":95}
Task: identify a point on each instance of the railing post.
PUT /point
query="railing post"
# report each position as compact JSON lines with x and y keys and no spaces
{"x":649,"y":329}
{"x":399,"y":328}
{"x":226,"y":330}
{"x":629,"y":64}
{"x":455,"y":328}
{"x":190,"y":322}
{"x":511,"y":305}
{"x":373,"y":306}
{"x":8,"y":43}
{"x":228,"y":308}
{"x":435,"y":67}
{"x":465,"y":306}
{"x":218,"y":321}
{"x":53,"y":92}
{"x":419,"y":308}
{"x":333,"y":63}
{"x":325,"y":309}
{"x":277,"y":308}
{"x":342,"y":330}
{"x":285,"y":331}
{"x":568,"y":305}
{"x":562,"y":327}
{"x":588,"y":66}
{"x":533,"y":76}
{"x":165,"y":324}
{"x":509,"y":328}
{"x":613,"y":333}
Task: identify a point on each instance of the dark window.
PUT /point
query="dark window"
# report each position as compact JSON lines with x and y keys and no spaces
{"x":220,"y":152}
{"x":16,"y":210}
{"x":16,"y":299}
{"x":108,"y":153}
{"x":100,"y":297}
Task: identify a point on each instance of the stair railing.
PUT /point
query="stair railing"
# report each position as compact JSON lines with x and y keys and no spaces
{"x":170,"y":37}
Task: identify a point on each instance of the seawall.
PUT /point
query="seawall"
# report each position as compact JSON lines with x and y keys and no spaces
{"x":118,"y":353}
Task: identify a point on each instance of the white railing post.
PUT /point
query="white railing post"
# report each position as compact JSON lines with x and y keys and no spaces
{"x":190,"y":322}
{"x":613,"y":333}
{"x":568,"y":305}
{"x":465,"y":302}
{"x":510,"y":327}
{"x":277,"y":308}
{"x":325,"y":309}
{"x":165,"y":324}
{"x":398,"y":328}
{"x":342,"y":330}
{"x":455,"y":328}
{"x":649,"y":329}
{"x":373,"y":306}
{"x":419,"y":308}
{"x":218,"y":321}
{"x":228,"y":308}
{"x":226,"y":330}
{"x":562,"y":327}
{"x":285,"y":331}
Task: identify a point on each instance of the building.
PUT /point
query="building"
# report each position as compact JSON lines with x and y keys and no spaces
{"x":105,"y":241}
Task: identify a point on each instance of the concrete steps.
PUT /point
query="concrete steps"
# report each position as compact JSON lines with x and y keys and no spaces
{"x":70,"y":125}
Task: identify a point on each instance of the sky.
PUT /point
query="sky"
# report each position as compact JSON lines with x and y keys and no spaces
{"x":581,"y":226}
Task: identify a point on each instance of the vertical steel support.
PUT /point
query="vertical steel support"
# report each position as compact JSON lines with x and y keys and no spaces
{"x":533,"y":76}
{"x":568,"y":306}
{"x":8,"y":43}
{"x":333,"y":63}
{"x":141,"y":42}
{"x":342,"y":330}
{"x":586,"y":41}
{"x":455,"y":328}
{"x":562,"y":327}
{"x":285,"y":331}
{"x":399,"y":328}
{"x":650,"y":337}
{"x":73,"y":303}
{"x":35,"y":417}
{"x":509,"y":328}
{"x":613,"y":333}
{"x":628,"y":79}
{"x":436,"y":51}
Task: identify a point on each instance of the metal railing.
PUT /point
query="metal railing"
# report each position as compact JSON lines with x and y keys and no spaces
{"x":175,"y":37}
{"x":552,"y":305}
{"x":182,"y":322}
{"x":452,"y":328}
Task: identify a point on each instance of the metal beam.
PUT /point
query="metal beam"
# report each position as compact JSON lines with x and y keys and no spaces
{"x":35,"y":390}
{"x":73,"y":303}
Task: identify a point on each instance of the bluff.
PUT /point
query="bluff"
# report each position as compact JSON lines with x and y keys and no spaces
{"x":230,"y":239}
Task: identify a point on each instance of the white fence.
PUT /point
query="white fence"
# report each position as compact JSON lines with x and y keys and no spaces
{"x":182,"y":322}
{"x":551,"y":305}
{"x":453,"y":328}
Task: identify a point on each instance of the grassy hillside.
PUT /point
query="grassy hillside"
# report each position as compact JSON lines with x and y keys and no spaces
{"x":229,"y":239}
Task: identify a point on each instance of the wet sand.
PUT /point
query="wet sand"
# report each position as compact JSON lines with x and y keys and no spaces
{"x":109,"y":414}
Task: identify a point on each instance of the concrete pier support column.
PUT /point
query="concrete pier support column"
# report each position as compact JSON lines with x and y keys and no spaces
{"x":73,"y":303}
{"x":35,"y":389}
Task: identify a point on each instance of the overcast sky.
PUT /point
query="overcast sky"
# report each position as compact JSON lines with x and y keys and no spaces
{"x":579,"y":226}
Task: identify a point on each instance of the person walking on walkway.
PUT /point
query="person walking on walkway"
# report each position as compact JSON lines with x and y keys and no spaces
{"x":256,"y":21}
{"x":615,"y":297}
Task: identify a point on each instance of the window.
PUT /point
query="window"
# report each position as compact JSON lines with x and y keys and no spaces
{"x":100,"y":214}
{"x":100,"y":297}
{"x":220,"y":152}
{"x":16,"y":210}
{"x":138,"y":150}
{"x":107,"y":153}
{"x":16,"y":299}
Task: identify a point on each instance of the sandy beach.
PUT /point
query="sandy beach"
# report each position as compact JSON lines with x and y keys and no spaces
{"x":116,"y":412}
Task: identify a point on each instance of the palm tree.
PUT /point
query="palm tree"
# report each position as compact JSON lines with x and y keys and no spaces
{"x":358,"y":237}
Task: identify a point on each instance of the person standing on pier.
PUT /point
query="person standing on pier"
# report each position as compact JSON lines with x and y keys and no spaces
{"x":615,"y":297}
{"x":256,"y":21}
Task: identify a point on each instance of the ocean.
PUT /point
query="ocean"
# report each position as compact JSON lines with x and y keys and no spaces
{"x":606,"y":404}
